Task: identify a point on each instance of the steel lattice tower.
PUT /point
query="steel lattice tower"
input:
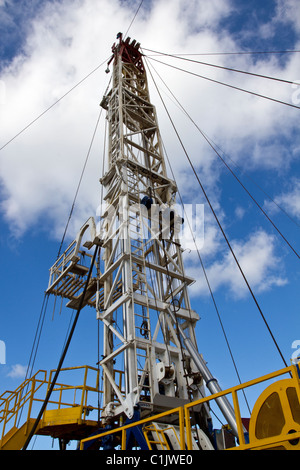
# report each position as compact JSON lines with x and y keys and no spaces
{"x":139,"y":288}
{"x":144,"y":276}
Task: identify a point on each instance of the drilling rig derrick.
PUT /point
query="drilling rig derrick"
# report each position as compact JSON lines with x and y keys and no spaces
{"x":150,"y":362}
{"x":144,"y":276}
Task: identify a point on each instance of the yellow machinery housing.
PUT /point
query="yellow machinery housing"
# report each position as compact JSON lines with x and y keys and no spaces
{"x":277,"y":413}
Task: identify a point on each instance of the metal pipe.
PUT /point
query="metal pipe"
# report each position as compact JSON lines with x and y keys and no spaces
{"x":211,"y":382}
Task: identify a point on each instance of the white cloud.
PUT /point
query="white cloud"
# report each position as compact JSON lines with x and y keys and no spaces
{"x":17,"y":371}
{"x":289,"y":200}
{"x":258,"y":260}
{"x":239,"y":212}
{"x":40,"y":169}
{"x":288,"y":11}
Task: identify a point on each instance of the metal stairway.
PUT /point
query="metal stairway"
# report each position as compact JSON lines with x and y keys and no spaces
{"x":64,"y":419}
{"x":16,"y":437}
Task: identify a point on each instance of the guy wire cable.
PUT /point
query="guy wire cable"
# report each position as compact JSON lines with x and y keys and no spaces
{"x":226,"y":68}
{"x":222,"y":230}
{"x":208,"y":283}
{"x":228,"y":53}
{"x":79,"y":183}
{"x":35,"y":346}
{"x":209,"y":287}
{"x":232,"y":172}
{"x":135,"y":15}
{"x":227,"y":84}
{"x":36,"y":423}
{"x":52,"y":105}
{"x":214,"y":143}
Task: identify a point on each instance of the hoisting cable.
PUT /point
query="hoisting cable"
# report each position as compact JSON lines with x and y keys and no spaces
{"x":36,"y":423}
{"x":227,"y":84}
{"x":52,"y":105}
{"x":231,"y":171}
{"x":221,"y":228}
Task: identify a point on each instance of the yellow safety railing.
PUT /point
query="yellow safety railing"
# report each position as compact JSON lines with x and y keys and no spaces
{"x":123,"y":429}
{"x":84,"y":390}
{"x":13,"y":403}
{"x":184,"y":417}
{"x":33,"y":391}
{"x":22,"y":403}
{"x":292,"y":370}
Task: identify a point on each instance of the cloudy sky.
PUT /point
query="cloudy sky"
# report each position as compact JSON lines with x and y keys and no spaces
{"x":52,"y":78}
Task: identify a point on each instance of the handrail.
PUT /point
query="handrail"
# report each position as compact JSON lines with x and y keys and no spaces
{"x":26,"y":393}
{"x":233,"y":390}
{"x":123,"y":429}
{"x":16,"y":401}
{"x":13,"y":403}
{"x":185,"y":421}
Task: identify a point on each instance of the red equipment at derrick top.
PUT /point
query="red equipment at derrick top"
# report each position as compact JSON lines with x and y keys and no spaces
{"x":129,"y":52}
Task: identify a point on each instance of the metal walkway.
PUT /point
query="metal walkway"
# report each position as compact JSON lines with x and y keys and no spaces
{"x":68,"y":414}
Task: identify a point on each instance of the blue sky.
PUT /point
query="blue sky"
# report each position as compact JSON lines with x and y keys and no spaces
{"x":47,"y":48}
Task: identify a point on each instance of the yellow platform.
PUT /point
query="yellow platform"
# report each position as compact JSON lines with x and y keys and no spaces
{"x":274,"y":421}
{"x":66,"y":416}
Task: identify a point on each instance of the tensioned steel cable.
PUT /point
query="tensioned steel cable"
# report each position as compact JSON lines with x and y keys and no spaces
{"x":232,"y":172}
{"x":225,"y":68}
{"x":237,"y":166}
{"x":227,"y":84}
{"x":34,"y":348}
{"x":208,"y":283}
{"x":230,"y":53}
{"x":46,"y":296}
{"x":209,"y":287}
{"x":82,"y":173}
{"x":221,"y":323}
{"x":67,"y":93}
{"x":53,"y":104}
{"x":242,"y":170}
{"x":79,"y":184}
{"x":135,"y":15}
{"x":36,"y":423}
{"x":222,"y":230}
